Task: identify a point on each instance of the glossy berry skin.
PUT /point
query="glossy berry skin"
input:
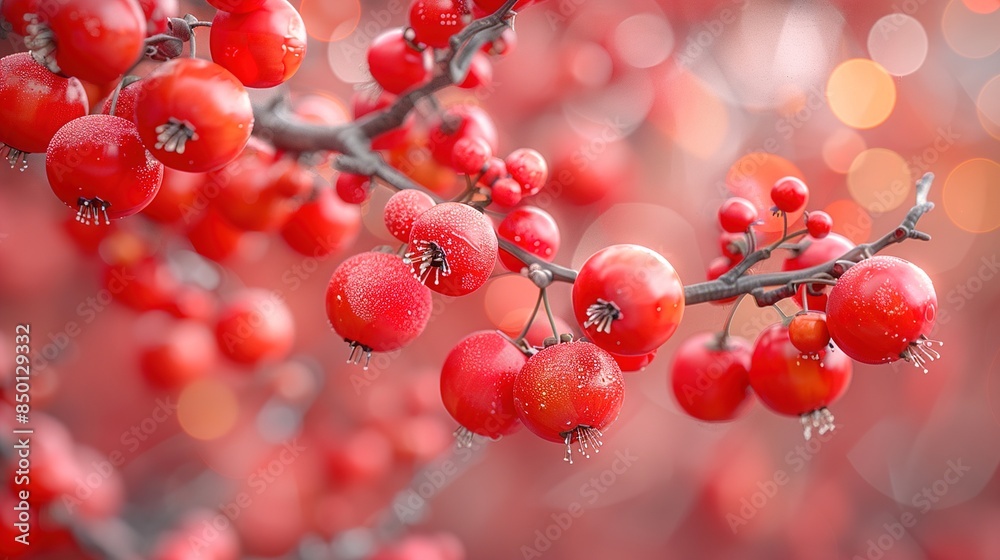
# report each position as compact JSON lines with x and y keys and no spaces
{"x":262,"y":48}
{"x":255,"y":327}
{"x":494,"y":170}
{"x":505,"y":192}
{"x":402,"y":209}
{"x":792,"y":383}
{"x":101,"y":157}
{"x":531,"y":229}
{"x":35,"y":103}
{"x":566,"y":386}
{"x":13,"y":11}
{"x":879,"y":307}
{"x":127,"y":98}
{"x":808,"y":332}
{"x":374,"y":300}
{"x":644,"y":288}
{"x":396,"y":65}
{"x":819,"y":251}
{"x":477,"y":383}
{"x":452,"y":248}
{"x":819,"y":224}
{"x":790,"y":194}
{"x":736,"y":214}
{"x":460,"y":121}
{"x":157,"y":12}
{"x":710,"y":377}
{"x":529,"y":169}
{"x":237,"y":6}
{"x":469,"y":155}
{"x":630,"y":364}
{"x":353,"y":189}
{"x":322,"y":226}
{"x":100,"y":50}
{"x":435,"y":21}
{"x":203,"y":96}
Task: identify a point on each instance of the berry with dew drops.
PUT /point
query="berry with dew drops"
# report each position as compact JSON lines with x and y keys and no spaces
{"x":402,"y":209}
{"x":529,"y":169}
{"x":531,"y":229}
{"x":457,"y":122}
{"x":264,"y":47}
{"x":570,"y":392}
{"x":628,"y":299}
{"x":808,"y":331}
{"x":374,"y":302}
{"x":881,"y":310}
{"x":796,"y":384}
{"x":34,"y":104}
{"x":435,"y":21}
{"x":98,"y":165}
{"x":477,"y":385}
{"x":396,"y":63}
{"x":452,"y":249}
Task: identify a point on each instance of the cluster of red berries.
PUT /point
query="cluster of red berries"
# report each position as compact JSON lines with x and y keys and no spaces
{"x":880,"y":310}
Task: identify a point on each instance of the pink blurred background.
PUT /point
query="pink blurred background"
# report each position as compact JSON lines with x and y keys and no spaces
{"x":658,"y":100}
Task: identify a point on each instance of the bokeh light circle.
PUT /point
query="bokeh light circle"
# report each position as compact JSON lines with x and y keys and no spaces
{"x":841,"y":147}
{"x":982,"y":6}
{"x":207,"y":409}
{"x":988,"y":107}
{"x":509,"y":302}
{"x":970,"y":34}
{"x":850,"y":220}
{"x":899,"y":43}
{"x":330,"y":21}
{"x":644,"y":40}
{"x":861,"y":93}
{"x":879,"y":180}
{"x":972,"y":195}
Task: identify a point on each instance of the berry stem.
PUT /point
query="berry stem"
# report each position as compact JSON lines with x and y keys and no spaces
{"x":531,"y":318}
{"x":548,"y":313}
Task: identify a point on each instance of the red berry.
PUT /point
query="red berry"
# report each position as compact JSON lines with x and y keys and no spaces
{"x":795,"y":384}
{"x":13,"y":11}
{"x":477,"y":384}
{"x":127,"y":99}
{"x":257,"y":193}
{"x":531,"y":229}
{"x":143,"y":285}
{"x":374,"y":302}
{"x":212,"y":236}
{"x":633,"y":363}
{"x":789,"y":194}
{"x":817,"y":252}
{"x":98,"y":165}
{"x":353,"y":189}
{"x":506,"y":192}
{"x":237,"y":6}
{"x":183,"y":352}
{"x":469,"y":155}
{"x":256,"y":326}
{"x":396,"y":64}
{"x":808,"y":332}
{"x":495,"y":170}
{"x":34,"y":104}
{"x":193,"y":115}
{"x":457,"y":122}
{"x":736,"y":214}
{"x":628,"y":299}
{"x":819,"y":224}
{"x":881,"y":310}
{"x":455,"y":244}
{"x":570,"y":392}
{"x":709,"y":377}
{"x":402,"y":209}
{"x":732,"y":246}
{"x":491,"y":6}
{"x":528,"y":168}
{"x":435,"y":21}
{"x":322,"y":226}
{"x":264,"y":47}
{"x":94,"y":40}
{"x":157,"y":12}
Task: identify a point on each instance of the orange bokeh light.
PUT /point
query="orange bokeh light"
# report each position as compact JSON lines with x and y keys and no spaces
{"x":840,"y":149}
{"x":861,"y":93}
{"x":330,"y":21}
{"x":207,"y":409}
{"x":879,"y":180}
{"x":988,"y":107}
{"x":972,"y":195}
{"x":968,"y":33}
{"x":850,"y":220}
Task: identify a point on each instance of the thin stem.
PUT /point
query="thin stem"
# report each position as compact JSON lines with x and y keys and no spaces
{"x":727,"y":326}
{"x":531,"y":319}
{"x":548,"y":312}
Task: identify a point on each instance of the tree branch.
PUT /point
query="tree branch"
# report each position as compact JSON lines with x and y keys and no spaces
{"x":789,"y":281}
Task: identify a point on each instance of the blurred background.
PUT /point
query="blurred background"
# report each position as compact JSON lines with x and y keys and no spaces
{"x":649,"y":114}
